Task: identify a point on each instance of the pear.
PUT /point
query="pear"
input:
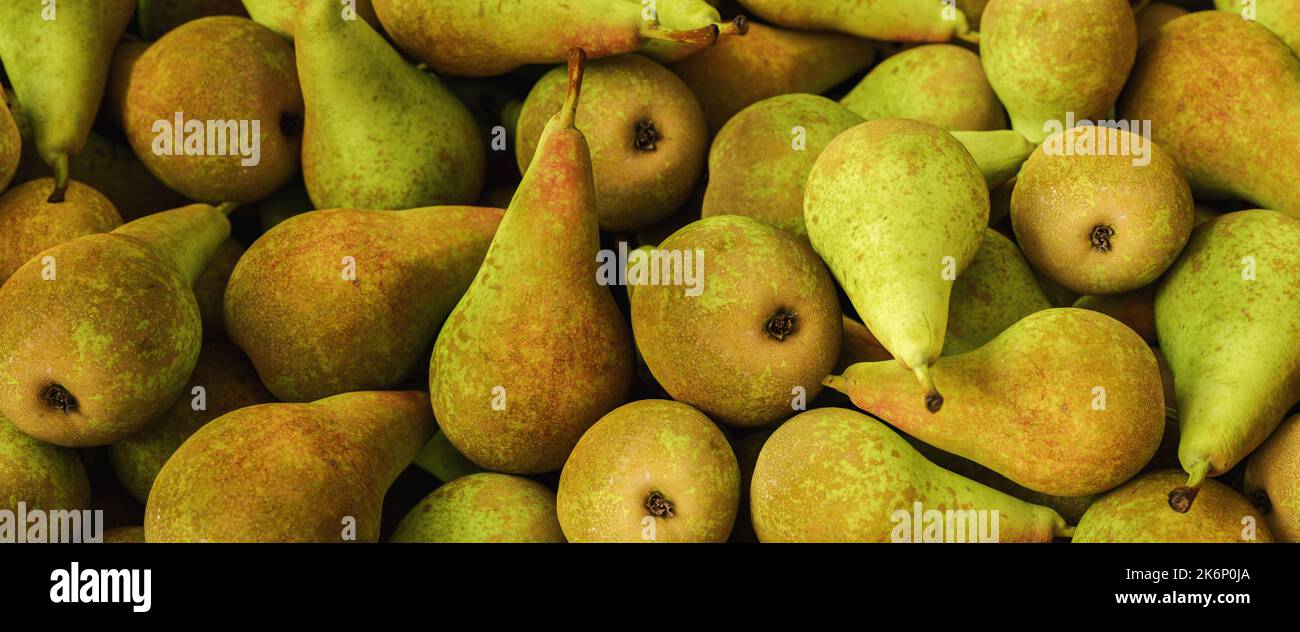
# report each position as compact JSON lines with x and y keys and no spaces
{"x":1154,"y":16}
{"x":769,"y":62}
{"x":745,"y":350}
{"x":1273,"y":480}
{"x":888,"y":20}
{"x":1226,"y":319}
{"x":1186,"y":76}
{"x":513,"y":387}
{"x":999,"y":154}
{"x":373,"y":119}
{"x":462,"y":38}
{"x":1280,"y":16}
{"x":1137,"y":512}
{"x":30,"y":224}
{"x":39,"y":475}
{"x":859,"y":346}
{"x":289,"y":472}
{"x":897,"y":209}
{"x":342,"y":300}
{"x":56,"y":57}
{"x":834,"y":475}
{"x":1088,"y":420}
{"x":11,"y":147}
{"x":225,"y":72}
{"x":157,"y":17}
{"x":1096,"y":218}
{"x":687,"y":15}
{"x":223,"y":381}
{"x":1137,"y":309}
{"x":940,"y":84}
{"x":440,"y":458}
{"x":651,"y":471}
{"x":210,"y":289}
{"x":281,"y":15}
{"x":995,"y":292}
{"x":627,"y":97}
{"x":1047,"y":61}
{"x":482,"y":508}
{"x":102,"y":332}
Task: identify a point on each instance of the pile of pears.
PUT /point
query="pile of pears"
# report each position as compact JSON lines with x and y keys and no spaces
{"x":679,"y":271}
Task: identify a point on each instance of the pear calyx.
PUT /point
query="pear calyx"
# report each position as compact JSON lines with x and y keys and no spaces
{"x":56,"y":396}
{"x":646,"y":136}
{"x":782,"y":325}
{"x":1100,"y":237}
{"x":658,"y":505}
{"x":738,"y":26}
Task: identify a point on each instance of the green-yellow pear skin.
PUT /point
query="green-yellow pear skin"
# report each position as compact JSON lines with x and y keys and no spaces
{"x":30,"y":224}
{"x":233,"y":86}
{"x":651,"y":471}
{"x":859,"y":346}
{"x":1051,"y":59}
{"x":157,"y":17}
{"x":744,"y":349}
{"x":536,"y":351}
{"x":102,"y":332}
{"x":940,"y":84}
{"x":999,"y":154}
{"x":890,"y":21}
{"x":281,"y":15}
{"x":687,"y":15}
{"x":39,"y":475}
{"x":483,"y":508}
{"x":289,"y":472}
{"x":1186,"y":76}
{"x":1138,"y":512}
{"x":482,"y":38}
{"x":1227,"y":323}
{"x":1273,"y":480}
{"x":1101,"y":210}
{"x":769,"y":62}
{"x":1155,"y":15}
{"x":1280,"y":16}
{"x":223,"y":381}
{"x":56,"y":56}
{"x":380,"y":134}
{"x":641,"y":182}
{"x":996,"y":290}
{"x":835,"y":475}
{"x":341,"y":300}
{"x":897,"y":208}
{"x":760,"y":160}
{"x":210,"y":289}
{"x":11,"y":147}
{"x":443,"y":461}
{"x":1066,"y":402}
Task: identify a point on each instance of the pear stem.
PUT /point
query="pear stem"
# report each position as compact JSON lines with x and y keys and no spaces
{"x":577,"y":66}
{"x":837,"y":382}
{"x":738,"y":26}
{"x":1181,"y":498}
{"x":703,"y":36}
{"x":227,"y":208}
{"x":972,"y":37}
{"x":60,"y":179}
{"x":933,"y":400}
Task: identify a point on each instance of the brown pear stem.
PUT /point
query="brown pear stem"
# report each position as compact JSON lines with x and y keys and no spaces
{"x":227,"y":208}
{"x":577,"y":66}
{"x":738,"y":26}
{"x":60,"y":179}
{"x":703,"y":36}
{"x":1181,"y":498}
{"x":933,"y":400}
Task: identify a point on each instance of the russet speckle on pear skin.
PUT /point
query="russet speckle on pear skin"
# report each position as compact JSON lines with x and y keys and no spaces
{"x":1273,"y":480}
{"x":40,"y":475}
{"x":942,"y":84}
{"x":1139,"y":511}
{"x":483,"y":507}
{"x":29,"y":223}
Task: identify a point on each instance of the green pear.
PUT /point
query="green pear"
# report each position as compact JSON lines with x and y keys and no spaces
{"x":1057,"y":61}
{"x":223,"y":381}
{"x":157,"y":17}
{"x":536,"y":351}
{"x":1226,"y":321}
{"x":1186,"y":76}
{"x":898,"y":208}
{"x":999,"y":154}
{"x":30,"y":224}
{"x":744,"y":349}
{"x":887,"y":20}
{"x":686,"y":15}
{"x":481,"y":508}
{"x":627,"y":97}
{"x":1280,"y":16}
{"x":102,"y":332}
{"x":373,"y":121}
{"x":940,"y":84}
{"x":650,"y":471}
{"x":835,"y":475}
{"x":11,"y":147}
{"x":312,"y":472}
{"x":1273,"y":480}
{"x":39,"y":475}
{"x":313,"y":301}
{"x":1137,"y":512}
{"x":56,"y":56}
{"x":768,"y":62}
{"x":996,"y":291}
{"x":441,"y":459}
{"x":1155,"y":15}
{"x":1066,"y":402}
{"x":281,"y":15}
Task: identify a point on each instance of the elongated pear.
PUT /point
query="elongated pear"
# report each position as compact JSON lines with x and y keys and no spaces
{"x":102,"y":332}
{"x":996,"y":291}
{"x":941,"y":84}
{"x":998,"y":153}
{"x":57,"y":56}
{"x":687,"y":15}
{"x":380,"y":133}
{"x":1227,"y":323}
{"x":897,"y":208}
{"x":835,"y":475}
{"x":343,"y":300}
{"x":281,"y":15}
{"x":289,"y":472}
{"x":1066,"y":402}
{"x":536,"y":351}
{"x":889,"y":20}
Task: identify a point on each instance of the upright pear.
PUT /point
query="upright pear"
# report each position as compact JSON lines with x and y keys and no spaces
{"x":1066,"y":402}
{"x":1227,"y":321}
{"x":29,"y":223}
{"x":102,"y":332}
{"x":374,"y":121}
{"x":888,"y":20}
{"x":835,"y":475}
{"x":897,"y":208}
{"x":342,"y":300}
{"x":289,"y":472}
{"x":57,"y":56}
{"x":536,"y":351}
{"x":941,"y":84}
